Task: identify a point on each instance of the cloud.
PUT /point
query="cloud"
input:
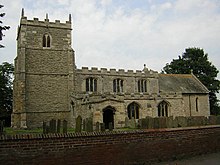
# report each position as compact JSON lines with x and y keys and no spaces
{"x":110,"y":33}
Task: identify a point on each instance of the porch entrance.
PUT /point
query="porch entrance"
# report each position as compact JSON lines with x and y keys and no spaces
{"x":108,"y":116}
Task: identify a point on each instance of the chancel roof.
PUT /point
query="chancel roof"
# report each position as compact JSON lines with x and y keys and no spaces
{"x":184,"y":83}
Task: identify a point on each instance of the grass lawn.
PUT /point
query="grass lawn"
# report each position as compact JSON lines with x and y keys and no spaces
{"x":11,"y":131}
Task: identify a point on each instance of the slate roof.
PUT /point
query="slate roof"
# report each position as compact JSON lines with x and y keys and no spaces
{"x":184,"y":83}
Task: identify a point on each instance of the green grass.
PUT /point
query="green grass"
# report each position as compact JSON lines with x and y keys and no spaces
{"x":11,"y":131}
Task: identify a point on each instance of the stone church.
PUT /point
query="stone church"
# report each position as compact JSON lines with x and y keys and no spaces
{"x":48,"y":85}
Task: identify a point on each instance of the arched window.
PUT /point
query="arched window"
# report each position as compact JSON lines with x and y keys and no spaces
{"x":91,"y":84}
{"x":117,"y":85}
{"x":197,"y":104}
{"x":133,"y":111}
{"x":163,"y":109}
{"x":46,"y":41}
{"x":142,"y":85}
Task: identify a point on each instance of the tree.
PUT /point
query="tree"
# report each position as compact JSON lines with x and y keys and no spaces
{"x":2,"y":28}
{"x":194,"y":59}
{"x":6,"y":91}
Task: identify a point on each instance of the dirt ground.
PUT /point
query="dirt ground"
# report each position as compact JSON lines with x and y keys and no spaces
{"x":209,"y":159}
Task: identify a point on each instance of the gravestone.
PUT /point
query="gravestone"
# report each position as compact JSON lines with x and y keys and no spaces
{"x":144,"y":123}
{"x":97,"y":126}
{"x":217,"y":120}
{"x":126,"y":122}
{"x":102,"y":125}
{"x":64,"y":126}
{"x":151,"y":123}
{"x":84,"y":125}
{"x":156,"y":122}
{"x":58,"y":126}
{"x":212,"y":120}
{"x":1,"y":126}
{"x":78,"y":124}
{"x":44,"y":127}
{"x":162,"y":122}
{"x":110,"y":126}
{"x":189,"y":121}
{"x":132,"y":123}
{"x":52,"y":126}
{"x":89,"y":125}
{"x":169,"y":121}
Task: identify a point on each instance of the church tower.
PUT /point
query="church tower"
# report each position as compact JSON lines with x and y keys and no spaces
{"x":44,"y":72}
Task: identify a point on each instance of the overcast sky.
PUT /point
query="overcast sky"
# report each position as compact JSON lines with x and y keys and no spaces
{"x":124,"y":34}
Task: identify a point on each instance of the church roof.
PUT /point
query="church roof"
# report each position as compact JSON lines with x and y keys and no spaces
{"x":184,"y":83}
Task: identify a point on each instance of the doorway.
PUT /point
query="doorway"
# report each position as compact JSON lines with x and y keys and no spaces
{"x":108,"y":116}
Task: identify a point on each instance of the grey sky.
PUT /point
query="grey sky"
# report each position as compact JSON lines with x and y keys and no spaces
{"x":125,"y":33}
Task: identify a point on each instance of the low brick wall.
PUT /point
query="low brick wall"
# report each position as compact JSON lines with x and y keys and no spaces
{"x":126,"y":147}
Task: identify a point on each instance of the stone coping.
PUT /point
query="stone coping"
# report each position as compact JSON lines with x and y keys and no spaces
{"x":95,"y":134}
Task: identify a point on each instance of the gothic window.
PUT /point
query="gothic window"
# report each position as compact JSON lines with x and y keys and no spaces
{"x":163,"y":109}
{"x":197,"y":107}
{"x":142,"y":85}
{"x":133,"y":111}
{"x":117,"y":85}
{"x":46,"y":41}
{"x":91,"y":84}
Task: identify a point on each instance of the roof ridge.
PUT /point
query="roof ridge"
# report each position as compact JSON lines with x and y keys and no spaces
{"x":178,"y":75}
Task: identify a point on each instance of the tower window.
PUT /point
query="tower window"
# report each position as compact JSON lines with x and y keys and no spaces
{"x":91,"y":84}
{"x":163,"y":109}
{"x":142,"y":85}
{"x":117,"y":85}
{"x":46,"y":40}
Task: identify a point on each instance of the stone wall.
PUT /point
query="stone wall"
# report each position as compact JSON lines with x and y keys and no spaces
{"x":44,"y":76}
{"x":126,"y":147}
{"x":105,"y":79}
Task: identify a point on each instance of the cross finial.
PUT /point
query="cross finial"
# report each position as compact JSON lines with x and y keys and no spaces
{"x":22,"y":12}
{"x":70,"y":17}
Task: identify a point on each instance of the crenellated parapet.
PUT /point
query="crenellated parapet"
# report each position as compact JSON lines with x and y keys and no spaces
{"x":45,"y":23}
{"x":114,"y":72}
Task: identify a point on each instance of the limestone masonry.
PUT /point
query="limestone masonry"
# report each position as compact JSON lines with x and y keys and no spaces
{"x":48,"y":85}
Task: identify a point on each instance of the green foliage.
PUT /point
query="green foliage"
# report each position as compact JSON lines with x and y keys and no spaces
{"x":2,"y":27}
{"x":6,"y":89}
{"x":194,"y":59}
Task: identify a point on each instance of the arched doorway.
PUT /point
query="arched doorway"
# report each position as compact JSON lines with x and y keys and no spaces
{"x":108,"y":116}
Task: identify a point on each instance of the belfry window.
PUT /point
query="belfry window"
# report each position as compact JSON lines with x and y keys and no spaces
{"x":91,"y":84}
{"x":163,"y":109}
{"x":46,"y":41}
{"x":142,"y":85}
{"x":117,"y":85}
{"x":133,"y":111}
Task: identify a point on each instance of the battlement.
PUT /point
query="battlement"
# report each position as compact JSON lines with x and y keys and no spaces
{"x":113,"y":71}
{"x":45,"y":23}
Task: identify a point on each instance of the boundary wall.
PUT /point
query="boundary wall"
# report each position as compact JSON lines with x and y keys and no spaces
{"x":116,"y":148}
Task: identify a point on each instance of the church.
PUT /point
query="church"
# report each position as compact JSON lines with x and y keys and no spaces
{"x":48,"y":85}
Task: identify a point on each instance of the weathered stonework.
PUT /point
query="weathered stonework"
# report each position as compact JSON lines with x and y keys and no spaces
{"x":48,"y":85}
